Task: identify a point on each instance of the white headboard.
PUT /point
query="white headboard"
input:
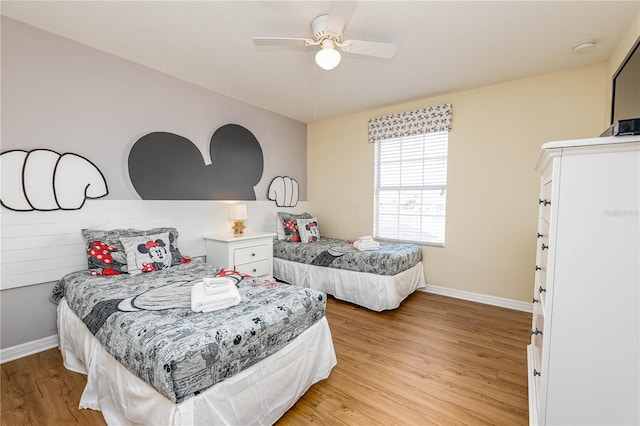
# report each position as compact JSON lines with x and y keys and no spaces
{"x":38,"y":246}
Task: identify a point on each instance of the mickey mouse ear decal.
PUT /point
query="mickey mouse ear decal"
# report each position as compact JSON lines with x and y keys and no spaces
{"x":42,"y":179}
{"x":166,"y":166}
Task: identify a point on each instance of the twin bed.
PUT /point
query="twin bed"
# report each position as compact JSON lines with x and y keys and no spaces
{"x":375,"y":279}
{"x":149,"y":359}
{"x":378,"y":280}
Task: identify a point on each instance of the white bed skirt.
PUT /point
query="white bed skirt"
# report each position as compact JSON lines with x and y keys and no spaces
{"x":375,"y":292}
{"x":261,"y":394}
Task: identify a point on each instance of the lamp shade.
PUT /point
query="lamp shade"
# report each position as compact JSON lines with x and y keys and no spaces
{"x":328,"y":58}
{"x":238,"y":211}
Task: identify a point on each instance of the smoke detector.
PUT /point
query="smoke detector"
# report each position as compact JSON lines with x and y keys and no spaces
{"x":584,"y":46}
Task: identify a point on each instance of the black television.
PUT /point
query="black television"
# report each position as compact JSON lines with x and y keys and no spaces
{"x":625,"y":102}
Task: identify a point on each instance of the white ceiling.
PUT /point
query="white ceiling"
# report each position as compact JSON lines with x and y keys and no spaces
{"x":443,"y":46}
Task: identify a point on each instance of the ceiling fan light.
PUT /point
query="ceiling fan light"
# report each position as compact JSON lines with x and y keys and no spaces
{"x":328,"y":58}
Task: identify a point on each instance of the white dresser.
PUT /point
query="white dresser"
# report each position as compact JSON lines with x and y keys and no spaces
{"x":250,"y":253}
{"x":584,"y":356}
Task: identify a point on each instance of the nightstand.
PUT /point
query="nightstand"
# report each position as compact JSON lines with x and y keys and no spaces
{"x":250,"y":253}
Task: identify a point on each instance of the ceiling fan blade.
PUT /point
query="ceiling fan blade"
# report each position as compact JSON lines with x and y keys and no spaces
{"x":281,"y":41}
{"x":370,"y":48}
{"x":339,"y":14}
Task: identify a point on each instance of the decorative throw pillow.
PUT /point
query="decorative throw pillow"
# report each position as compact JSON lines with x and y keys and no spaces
{"x":280,"y":220}
{"x":308,"y":229}
{"x":176,"y":257}
{"x":106,"y":255}
{"x":291,"y":233}
{"x":147,"y":253}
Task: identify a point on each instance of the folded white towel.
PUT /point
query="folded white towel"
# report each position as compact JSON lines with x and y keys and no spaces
{"x":217,"y":306}
{"x":366,"y":245}
{"x":200,"y":302}
{"x":216,"y":281}
{"x":365,"y":238}
{"x":218,"y":285}
{"x":219,"y":290}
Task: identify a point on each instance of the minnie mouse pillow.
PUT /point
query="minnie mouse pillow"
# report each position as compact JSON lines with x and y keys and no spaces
{"x":308,"y":228}
{"x":147,"y":253}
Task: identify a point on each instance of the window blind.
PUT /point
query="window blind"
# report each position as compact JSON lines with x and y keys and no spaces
{"x":410,"y":188}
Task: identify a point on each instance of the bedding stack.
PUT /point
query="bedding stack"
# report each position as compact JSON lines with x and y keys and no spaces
{"x":365,"y":243}
{"x":214,"y":294}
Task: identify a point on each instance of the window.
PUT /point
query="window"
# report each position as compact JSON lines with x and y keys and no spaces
{"x":411,"y":187}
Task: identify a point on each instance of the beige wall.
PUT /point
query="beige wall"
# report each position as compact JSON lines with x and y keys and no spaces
{"x":492,"y":185}
{"x":492,"y":189}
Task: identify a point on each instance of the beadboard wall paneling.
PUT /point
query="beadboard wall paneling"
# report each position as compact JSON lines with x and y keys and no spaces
{"x":38,"y":247}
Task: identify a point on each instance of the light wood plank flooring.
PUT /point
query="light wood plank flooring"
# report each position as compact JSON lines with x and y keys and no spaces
{"x":434,"y":360}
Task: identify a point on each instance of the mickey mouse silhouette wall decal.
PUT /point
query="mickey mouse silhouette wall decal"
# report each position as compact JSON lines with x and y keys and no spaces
{"x":166,"y":166}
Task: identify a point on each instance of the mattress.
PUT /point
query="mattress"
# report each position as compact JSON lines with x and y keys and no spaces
{"x":145,"y":322}
{"x":389,"y":259}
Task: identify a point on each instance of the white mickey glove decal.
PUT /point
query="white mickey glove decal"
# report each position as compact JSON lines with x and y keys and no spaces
{"x":42,"y":179}
{"x":284,"y":191}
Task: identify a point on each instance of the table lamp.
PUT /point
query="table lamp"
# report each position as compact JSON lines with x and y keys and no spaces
{"x":238,"y":213}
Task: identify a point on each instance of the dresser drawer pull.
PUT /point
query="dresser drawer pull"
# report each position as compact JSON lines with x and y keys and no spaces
{"x":544,"y":247}
{"x":536,"y":373}
{"x":542,"y":289}
{"x":540,"y":235}
{"x":253,"y":255}
{"x":535,"y":300}
{"x":544,"y":202}
{"x":536,"y":332}
{"x":538,"y":268}
{"x":254,"y":270}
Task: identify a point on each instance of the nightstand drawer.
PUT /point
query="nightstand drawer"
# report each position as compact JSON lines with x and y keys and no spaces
{"x":252,"y":253}
{"x":256,"y":269}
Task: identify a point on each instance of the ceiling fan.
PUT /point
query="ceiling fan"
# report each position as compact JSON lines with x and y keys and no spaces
{"x":327,"y":34}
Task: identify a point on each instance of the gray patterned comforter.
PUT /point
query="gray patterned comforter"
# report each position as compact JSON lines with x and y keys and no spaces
{"x":145,"y":321}
{"x":389,"y":259}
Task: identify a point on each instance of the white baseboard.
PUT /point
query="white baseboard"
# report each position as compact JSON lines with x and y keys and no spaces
{"x":480,"y":298}
{"x":29,"y":348}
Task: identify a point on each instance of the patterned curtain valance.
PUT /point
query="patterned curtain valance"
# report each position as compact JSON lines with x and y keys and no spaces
{"x":426,"y":120}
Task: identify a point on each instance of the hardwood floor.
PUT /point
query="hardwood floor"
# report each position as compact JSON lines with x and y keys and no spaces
{"x":434,"y":360}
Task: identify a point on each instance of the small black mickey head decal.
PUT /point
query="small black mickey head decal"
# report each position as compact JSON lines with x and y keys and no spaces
{"x":166,"y":166}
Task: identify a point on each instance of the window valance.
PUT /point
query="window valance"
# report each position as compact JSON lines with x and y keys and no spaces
{"x":425,"y":120}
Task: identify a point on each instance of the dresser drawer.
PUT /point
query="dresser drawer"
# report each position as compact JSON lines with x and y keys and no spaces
{"x":534,"y":387}
{"x":252,"y":253}
{"x":541,"y":287}
{"x":545,"y":202}
{"x":541,"y":261}
{"x":256,"y":269}
{"x":537,"y":332}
